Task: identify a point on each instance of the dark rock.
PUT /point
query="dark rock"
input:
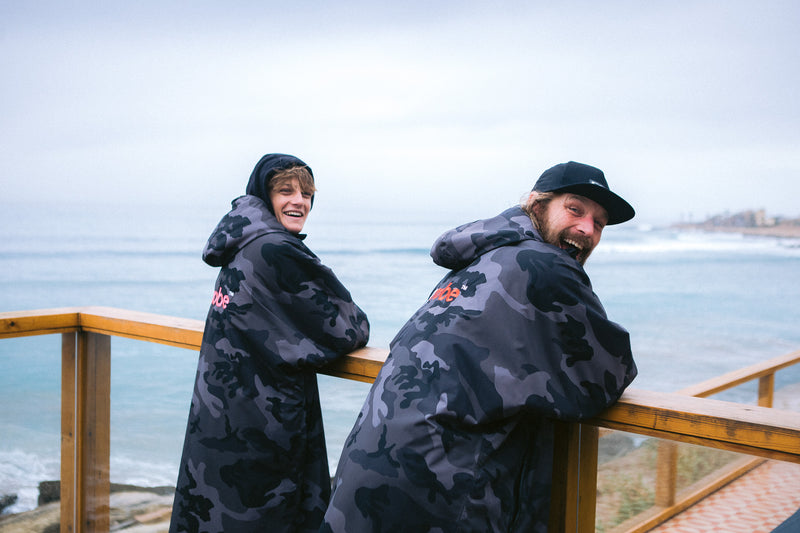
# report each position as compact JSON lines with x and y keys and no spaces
{"x":7,"y":500}
{"x":49,"y":491}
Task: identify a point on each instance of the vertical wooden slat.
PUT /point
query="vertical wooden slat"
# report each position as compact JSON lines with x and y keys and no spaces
{"x":766,"y":390}
{"x":93,"y":371}
{"x":68,"y":357}
{"x":587,"y":489}
{"x":566,"y":473}
{"x":666,"y":473}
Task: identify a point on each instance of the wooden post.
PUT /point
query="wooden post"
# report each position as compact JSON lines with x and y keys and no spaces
{"x":68,"y":358}
{"x":666,"y":473}
{"x":573,"y":500}
{"x":85,"y":432}
{"x":587,"y":490}
{"x":566,"y":473}
{"x":766,"y":390}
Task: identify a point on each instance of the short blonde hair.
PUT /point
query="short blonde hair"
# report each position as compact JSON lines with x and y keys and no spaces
{"x":300,"y":173}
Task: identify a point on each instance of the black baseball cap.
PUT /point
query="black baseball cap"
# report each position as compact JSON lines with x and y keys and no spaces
{"x":588,"y":181}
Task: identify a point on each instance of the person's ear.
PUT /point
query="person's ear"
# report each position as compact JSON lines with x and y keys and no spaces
{"x":536,"y":207}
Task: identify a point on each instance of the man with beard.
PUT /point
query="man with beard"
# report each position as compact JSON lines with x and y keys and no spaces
{"x":456,"y":433}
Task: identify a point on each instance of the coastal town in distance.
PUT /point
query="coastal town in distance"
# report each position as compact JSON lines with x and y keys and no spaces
{"x":750,"y":222}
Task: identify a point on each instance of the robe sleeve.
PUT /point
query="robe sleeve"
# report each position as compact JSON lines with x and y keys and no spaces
{"x":297,"y":311}
{"x":574,"y":362}
{"x":530,"y":338}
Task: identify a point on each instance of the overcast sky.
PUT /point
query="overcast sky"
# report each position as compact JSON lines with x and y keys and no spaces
{"x":690,"y":108}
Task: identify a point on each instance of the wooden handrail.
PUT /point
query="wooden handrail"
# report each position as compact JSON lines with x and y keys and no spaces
{"x":40,"y":322}
{"x":750,"y":429}
{"x":361,"y":365}
{"x":737,"y":377}
{"x":668,"y":502}
{"x":754,"y":430}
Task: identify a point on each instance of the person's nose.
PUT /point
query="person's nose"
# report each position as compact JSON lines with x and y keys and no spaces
{"x":586,"y":226}
{"x":297,"y":197}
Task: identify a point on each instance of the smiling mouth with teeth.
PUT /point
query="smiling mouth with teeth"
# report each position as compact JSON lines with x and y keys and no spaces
{"x":572,"y":247}
{"x":576,"y":249}
{"x":296,"y":214}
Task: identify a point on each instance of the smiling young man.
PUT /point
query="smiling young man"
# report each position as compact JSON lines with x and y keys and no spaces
{"x":254,"y":456}
{"x":290,"y":194}
{"x":456,"y":433}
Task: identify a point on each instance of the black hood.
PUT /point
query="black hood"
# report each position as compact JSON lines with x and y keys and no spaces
{"x":265,"y":169}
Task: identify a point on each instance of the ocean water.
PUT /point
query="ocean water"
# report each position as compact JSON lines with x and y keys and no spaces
{"x":696,"y":305}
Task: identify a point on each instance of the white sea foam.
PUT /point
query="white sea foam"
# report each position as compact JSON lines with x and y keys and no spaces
{"x":679,"y":242}
{"x":20,"y":474}
{"x":134,"y":470}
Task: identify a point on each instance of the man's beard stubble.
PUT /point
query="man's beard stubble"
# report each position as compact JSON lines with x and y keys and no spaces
{"x":556,"y":238}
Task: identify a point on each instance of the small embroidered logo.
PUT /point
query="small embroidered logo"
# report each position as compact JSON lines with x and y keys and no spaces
{"x":219,"y":299}
{"x":446,"y":294}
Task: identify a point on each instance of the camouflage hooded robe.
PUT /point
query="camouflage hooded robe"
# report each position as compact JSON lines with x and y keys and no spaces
{"x":456,"y":434}
{"x":254,"y":457}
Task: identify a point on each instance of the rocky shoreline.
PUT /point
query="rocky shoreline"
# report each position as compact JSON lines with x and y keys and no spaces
{"x":148,"y":509}
{"x":132,"y":509}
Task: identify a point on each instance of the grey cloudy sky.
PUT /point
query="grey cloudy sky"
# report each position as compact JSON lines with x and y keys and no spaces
{"x":690,"y":108}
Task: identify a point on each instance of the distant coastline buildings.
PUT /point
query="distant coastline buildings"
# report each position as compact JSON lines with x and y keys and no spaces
{"x":754,"y":222}
{"x":745,"y":219}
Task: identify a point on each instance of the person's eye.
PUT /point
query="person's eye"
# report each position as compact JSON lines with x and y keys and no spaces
{"x":574,"y":210}
{"x":306,"y":195}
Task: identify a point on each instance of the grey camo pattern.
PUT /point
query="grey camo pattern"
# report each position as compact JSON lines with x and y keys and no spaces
{"x":456,"y":433}
{"x":254,"y":456}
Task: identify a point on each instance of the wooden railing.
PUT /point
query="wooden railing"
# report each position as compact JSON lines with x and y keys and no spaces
{"x":669,"y":501}
{"x":85,"y":413}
